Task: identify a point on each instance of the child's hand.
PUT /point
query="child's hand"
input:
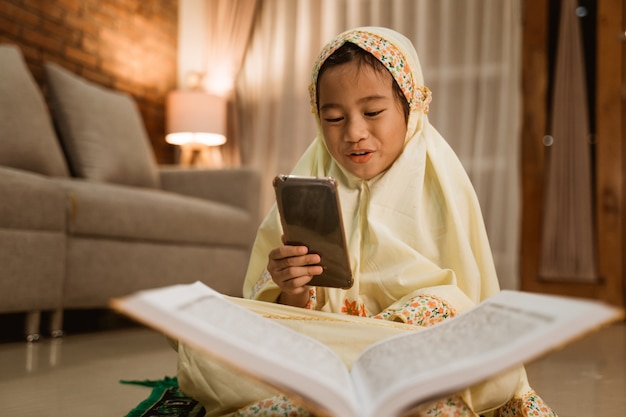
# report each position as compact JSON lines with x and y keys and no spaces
{"x":291,"y":269}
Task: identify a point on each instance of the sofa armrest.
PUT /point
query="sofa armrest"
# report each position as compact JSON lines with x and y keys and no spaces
{"x":31,"y":201}
{"x":239,"y":187}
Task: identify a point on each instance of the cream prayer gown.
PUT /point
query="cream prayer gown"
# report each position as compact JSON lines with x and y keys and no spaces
{"x":418,"y":246}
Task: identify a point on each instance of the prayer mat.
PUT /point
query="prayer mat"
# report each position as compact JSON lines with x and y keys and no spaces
{"x":166,"y":399}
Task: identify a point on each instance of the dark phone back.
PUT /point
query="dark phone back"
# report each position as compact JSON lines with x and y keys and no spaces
{"x":310,"y":215}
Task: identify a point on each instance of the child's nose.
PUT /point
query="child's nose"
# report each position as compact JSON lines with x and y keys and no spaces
{"x":356,"y":130}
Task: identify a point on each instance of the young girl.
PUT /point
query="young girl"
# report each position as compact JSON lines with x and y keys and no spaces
{"x":418,"y":246}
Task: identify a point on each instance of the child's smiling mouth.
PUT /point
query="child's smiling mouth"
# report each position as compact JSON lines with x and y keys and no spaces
{"x":360,"y":157}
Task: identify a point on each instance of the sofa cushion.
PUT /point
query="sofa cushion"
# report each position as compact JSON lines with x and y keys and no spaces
{"x":101,"y":130}
{"x":119,"y":212}
{"x":27,"y":137}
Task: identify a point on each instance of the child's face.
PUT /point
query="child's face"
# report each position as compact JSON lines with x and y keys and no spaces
{"x":362,"y":119}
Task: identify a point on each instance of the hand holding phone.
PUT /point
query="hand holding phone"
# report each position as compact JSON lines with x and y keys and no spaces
{"x":310,"y":215}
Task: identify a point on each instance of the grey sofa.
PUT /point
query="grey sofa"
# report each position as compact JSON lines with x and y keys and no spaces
{"x":86,"y":214}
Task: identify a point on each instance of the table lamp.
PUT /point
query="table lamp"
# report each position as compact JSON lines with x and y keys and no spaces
{"x":196,"y":121}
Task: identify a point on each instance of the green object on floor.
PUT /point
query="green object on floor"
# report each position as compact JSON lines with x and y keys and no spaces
{"x":166,"y":399}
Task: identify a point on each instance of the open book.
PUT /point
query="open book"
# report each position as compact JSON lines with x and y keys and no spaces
{"x":389,"y":377}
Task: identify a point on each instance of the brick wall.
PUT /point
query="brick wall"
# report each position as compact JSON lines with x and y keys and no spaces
{"x":127,"y":45}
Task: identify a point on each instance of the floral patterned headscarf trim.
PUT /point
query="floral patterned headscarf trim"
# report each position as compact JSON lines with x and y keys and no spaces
{"x":418,"y":97}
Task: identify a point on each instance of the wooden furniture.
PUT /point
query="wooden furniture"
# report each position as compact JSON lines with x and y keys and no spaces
{"x":609,"y":174}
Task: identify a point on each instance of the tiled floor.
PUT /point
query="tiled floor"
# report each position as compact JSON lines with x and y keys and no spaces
{"x":586,"y":378}
{"x":79,"y":375}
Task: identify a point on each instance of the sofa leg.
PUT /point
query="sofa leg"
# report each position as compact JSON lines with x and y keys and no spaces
{"x":32,"y":327}
{"x":56,"y":323}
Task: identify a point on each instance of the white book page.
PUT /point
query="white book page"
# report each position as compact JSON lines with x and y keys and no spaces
{"x":206,"y":320}
{"x":507,"y":330}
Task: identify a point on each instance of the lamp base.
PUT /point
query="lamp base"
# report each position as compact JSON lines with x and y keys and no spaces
{"x":201,"y":156}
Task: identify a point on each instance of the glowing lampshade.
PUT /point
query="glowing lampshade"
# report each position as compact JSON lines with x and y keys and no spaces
{"x":195,"y":118}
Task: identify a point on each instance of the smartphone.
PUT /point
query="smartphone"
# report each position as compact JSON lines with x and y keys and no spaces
{"x":310,"y":214}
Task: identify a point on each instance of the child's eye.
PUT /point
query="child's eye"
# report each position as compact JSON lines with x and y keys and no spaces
{"x":373,"y":113}
{"x":333,"y":119}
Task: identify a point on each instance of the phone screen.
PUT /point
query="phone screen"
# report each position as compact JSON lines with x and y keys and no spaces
{"x":304,"y":208}
{"x":310,"y":216}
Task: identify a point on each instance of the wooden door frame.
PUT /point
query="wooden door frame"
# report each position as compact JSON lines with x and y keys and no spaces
{"x":610,"y":151}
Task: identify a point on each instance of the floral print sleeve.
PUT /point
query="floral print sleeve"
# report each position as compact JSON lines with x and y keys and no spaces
{"x":422,"y":310}
{"x":264,"y":279}
{"x":530,"y":405}
{"x":312,"y":304}
{"x":277,"y":406}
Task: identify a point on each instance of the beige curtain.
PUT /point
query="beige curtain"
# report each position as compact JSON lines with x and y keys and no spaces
{"x":469,"y":50}
{"x":228,"y":28}
{"x":567,"y":245}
